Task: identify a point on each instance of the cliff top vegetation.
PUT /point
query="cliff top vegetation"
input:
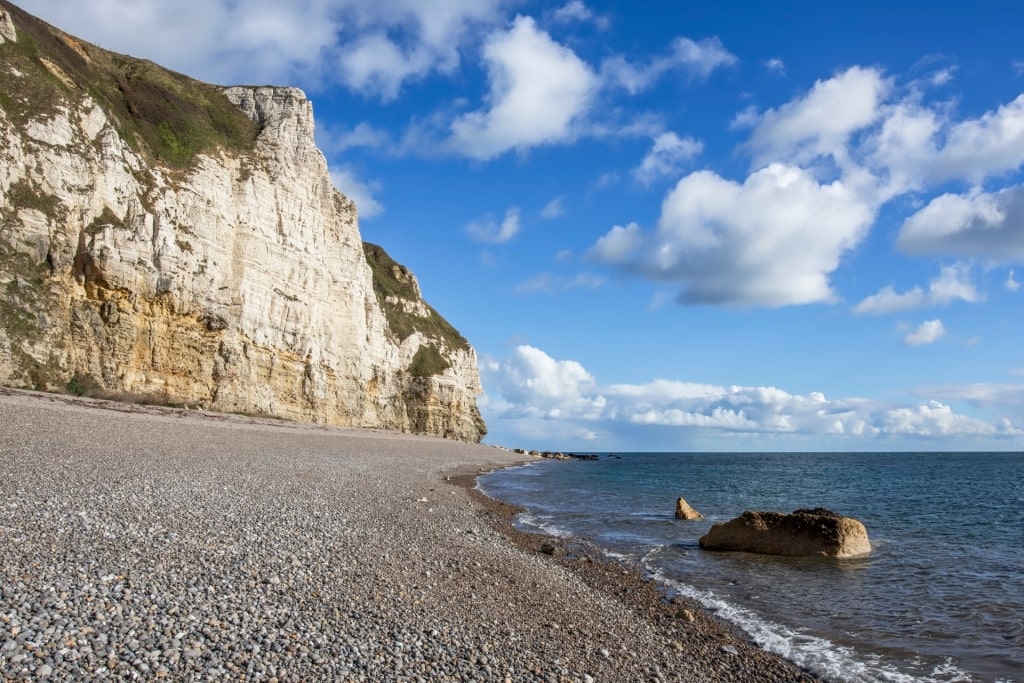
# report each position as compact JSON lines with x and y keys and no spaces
{"x":166,"y":116}
{"x":391,"y":279}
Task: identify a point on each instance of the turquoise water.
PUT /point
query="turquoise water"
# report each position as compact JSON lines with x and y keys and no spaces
{"x":940,"y":598}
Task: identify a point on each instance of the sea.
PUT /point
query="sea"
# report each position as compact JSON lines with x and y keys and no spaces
{"x":939,"y":599}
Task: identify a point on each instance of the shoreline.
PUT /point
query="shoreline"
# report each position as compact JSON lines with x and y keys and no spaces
{"x":142,"y":543}
{"x":695,"y":632}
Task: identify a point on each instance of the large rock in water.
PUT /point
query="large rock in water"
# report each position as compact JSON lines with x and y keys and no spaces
{"x":805,"y":532}
{"x":164,"y":237}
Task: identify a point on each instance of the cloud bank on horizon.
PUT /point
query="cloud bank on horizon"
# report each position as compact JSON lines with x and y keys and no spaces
{"x":589,"y":167}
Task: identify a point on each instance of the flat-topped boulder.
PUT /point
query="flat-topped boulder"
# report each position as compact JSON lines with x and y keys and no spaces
{"x":805,"y":532}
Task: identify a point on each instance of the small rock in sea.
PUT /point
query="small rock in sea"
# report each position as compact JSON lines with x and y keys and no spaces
{"x":729,"y":650}
{"x":684,"y":511}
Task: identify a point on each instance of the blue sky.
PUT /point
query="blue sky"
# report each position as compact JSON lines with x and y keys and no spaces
{"x":669,"y":225}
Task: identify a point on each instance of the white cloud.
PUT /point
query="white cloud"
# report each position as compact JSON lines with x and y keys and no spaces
{"x":927,"y":332}
{"x":619,"y":245}
{"x":695,"y":59}
{"x":667,"y":155}
{"x":334,"y":139}
{"x":553,"y":209}
{"x":345,"y":180}
{"x":942,"y":76}
{"x":825,"y":163}
{"x":1010,"y":283}
{"x":575,"y":10}
{"x":389,"y":42}
{"x":775,"y":66}
{"x":487,"y":230}
{"x":952,"y":284}
{"x":977,"y":148}
{"x":375,"y":64}
{"x":937,"y":419}
{"x":539,"y":91}
{"x":917,"y":146}
{"x":548,"y":396}
{"x":535,"y":384}
{"x":980,"y":394}
{"x":701,"y":58}
{"x":372,"y":47}
{"x":772,"y":241}
{"x":977,"y":224}
{"x":821,"y":122}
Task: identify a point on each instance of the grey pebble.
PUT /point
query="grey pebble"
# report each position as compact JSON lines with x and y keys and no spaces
{"x":207,"y":547}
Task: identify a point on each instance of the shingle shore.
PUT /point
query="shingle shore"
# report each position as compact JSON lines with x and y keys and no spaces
{"x":141,"y":543}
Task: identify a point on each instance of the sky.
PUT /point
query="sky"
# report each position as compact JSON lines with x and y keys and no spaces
{"x":671,"y":226}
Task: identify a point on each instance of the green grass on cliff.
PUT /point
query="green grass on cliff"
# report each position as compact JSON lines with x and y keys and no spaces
{"x":428,"y":362}
{"x":166,"y":116}
{"x":392,"y":279}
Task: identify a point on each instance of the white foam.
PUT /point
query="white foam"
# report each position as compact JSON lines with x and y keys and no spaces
{"x":823,"y":657}
{"x":533,"y":522}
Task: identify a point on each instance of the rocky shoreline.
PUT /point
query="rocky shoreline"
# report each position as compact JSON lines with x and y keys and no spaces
{"x":143,"y":543}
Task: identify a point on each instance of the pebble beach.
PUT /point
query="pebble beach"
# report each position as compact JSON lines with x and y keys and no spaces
{"x":146,"y":543}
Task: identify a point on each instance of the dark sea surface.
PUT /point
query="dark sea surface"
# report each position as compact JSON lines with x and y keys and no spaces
{"x":940,"y":598}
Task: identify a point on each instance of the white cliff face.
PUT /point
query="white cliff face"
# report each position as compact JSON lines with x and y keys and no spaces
{"x":7,"y":30}
{"x":239,"y":283}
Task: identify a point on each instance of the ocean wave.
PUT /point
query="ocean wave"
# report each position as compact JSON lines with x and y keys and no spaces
{"x":828,"y":660}
{"x":530,"y":522}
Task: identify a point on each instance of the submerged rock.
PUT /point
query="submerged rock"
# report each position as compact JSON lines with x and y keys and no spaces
{"x":684,"y":511}
{"x":803,"y":533}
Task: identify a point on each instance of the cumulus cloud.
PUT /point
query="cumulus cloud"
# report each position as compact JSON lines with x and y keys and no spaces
{"x":927,"y":332}
{"x":952,"y":284}
{"x":977,"y":224}
{"x":385,"y":43}
{"x":697,"y":59}
{"x":771,"y":241}
{"x":346,"y":181}
{"x":577,"y":11}
{"x":824,"y":164}
{"x":532,"y":386}
{"x":937,"y":419}
{"x":372,"y":47}
{"x":533,"y":383}
{"x":539,"y":90}
{"x":667,"y":155}
{"x":1010,"y":283}
{"x":775,"y":66}
{"x":488,"y":230}
{"x":917,"y":146}
{"x":336,"y":139}
{"x":822,"y":121}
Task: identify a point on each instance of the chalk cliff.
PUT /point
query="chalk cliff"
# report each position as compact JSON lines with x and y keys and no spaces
{"x":161,"y":236}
